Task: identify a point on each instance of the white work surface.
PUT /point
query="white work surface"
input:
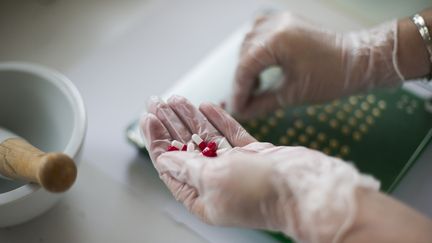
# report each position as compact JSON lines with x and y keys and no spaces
{"x":119,"y":53}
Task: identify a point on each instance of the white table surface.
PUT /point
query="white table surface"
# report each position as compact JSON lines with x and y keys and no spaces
{"x":119,"y":53}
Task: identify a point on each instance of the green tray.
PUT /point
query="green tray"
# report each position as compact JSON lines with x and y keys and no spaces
{"x":381,"y":132}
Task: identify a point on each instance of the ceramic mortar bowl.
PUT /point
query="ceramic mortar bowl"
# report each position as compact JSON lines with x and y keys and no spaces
{"x":45,"y":108}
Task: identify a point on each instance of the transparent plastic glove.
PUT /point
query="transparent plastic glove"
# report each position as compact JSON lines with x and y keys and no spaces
{"x":317,"y":64}
{"x":303,"y":193}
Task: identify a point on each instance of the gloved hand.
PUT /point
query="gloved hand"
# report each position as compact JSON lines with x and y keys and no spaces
{"x":318,"y":65}
{"x":303,"y":193}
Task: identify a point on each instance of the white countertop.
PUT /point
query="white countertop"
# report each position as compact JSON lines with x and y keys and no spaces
{"x":119,"y":53}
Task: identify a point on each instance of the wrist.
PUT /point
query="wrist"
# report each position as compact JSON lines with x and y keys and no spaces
{"x":412,"y":55}
{"x":381,"y":218}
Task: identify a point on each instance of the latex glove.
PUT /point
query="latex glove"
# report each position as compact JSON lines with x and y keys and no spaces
{"x":303,"y":193}
{"x":318,"y":65}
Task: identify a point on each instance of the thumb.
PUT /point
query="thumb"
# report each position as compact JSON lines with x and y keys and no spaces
{"x":254,"y":58}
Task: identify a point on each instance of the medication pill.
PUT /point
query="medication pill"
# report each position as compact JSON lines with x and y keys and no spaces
{"x":291,"y":132}
{"x":321,"y":137}
{"x":382,"y":104}
{"x":347,"y":108}
{"x":345,"y":150}
{"x":326,"y":150}
{"x":283,"y":140}
{"x":376,"y":112}
{"x":198,"y":141}
{"x":223,"y":143}
{"x":253,"y":123}
{"x":172,"y":148}
{"x":345,"y":129}
{"x":311,"y":111}
{"x":212,"y":145}
{"x":363,"y":128}
{"x":302,"y":138}
{"x":184,"y":148}
{"x":370,"y":120}
{"x":280,"y":113}
{"x":333,"y":143}
{"x":334,"y":123}
{"x":359,"y":114}
{"x":329,"y":109}
{"x":353,"y":100}
{"x":264,"y":130}
{"x":365,"y":106}
{"x":322,"y":117}
{"x":272,"y":121}
{"x":336,"y":102}
{"x":299,"y":124}
{"x":177,"y":144}
{"x":352,"y":121}
{"x":310,"y":130}
{"x":356,"y":136}
{"x":370,"y":99}
{"x":340,"y":115}
{"x":208,"y":152}
{"x":313,"y":145}
{"x":190,"y":147}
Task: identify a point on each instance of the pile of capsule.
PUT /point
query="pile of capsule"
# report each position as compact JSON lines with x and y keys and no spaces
{"x":208,"y":149}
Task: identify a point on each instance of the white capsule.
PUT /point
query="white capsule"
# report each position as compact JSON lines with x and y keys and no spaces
{"x":197,"y":139}
{"x":223,"y":143}
{"x":190,"y":147}
{"x":177,"y":144}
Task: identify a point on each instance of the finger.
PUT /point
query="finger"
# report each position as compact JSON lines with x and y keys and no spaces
{"x":259,"y":104}
{"x":291,"y":93}
{"x":156,"y":135}
{"x":262,"y":17}
{"x":196,"y":122}
{"x":236,"y":135}
{"x":254,"y":59}
{"x":169,"y":119}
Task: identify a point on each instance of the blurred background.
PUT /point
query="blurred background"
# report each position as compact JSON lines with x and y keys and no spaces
{"x":118,"y":53}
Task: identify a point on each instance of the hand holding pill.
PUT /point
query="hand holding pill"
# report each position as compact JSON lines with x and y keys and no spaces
{"x":247,"y":183}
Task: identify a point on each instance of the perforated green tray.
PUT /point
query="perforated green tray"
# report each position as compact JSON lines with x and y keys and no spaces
{"x":379,"y":132}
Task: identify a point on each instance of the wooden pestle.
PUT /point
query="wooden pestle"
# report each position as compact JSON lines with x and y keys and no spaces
{"x":19,"y":160}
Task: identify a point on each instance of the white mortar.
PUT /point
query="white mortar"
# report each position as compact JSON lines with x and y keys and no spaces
{"x":44,"y":107}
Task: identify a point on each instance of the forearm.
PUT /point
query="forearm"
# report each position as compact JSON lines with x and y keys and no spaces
{"x":412,"y":56}
{"x":383,"y":219}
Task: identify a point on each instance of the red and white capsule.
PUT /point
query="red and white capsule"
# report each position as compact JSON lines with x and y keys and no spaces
{"x":172,"y":148}
{"x":212,"y":145}
{"x":198,"y":141}
{"x":209,"y":152}
{"x":190,"y":147}
{"x":177,"y":144}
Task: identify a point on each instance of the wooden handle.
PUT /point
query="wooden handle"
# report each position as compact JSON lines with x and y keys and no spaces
{"x":56,"y":172}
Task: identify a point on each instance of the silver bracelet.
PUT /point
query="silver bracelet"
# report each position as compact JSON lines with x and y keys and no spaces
{"x":424,"y":32}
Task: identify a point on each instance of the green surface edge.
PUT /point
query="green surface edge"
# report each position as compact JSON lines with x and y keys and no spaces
{"x":412,"y":160}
